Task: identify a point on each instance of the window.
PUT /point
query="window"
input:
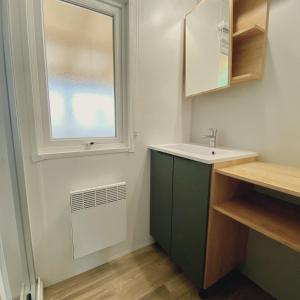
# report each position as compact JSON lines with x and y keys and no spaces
{"x":80,"y":65}
{"x":82,"y":74}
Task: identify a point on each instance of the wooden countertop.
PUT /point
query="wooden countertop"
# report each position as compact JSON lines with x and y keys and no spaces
{"x":276,"y":177}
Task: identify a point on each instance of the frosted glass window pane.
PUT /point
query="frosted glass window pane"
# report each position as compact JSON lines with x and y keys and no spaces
{"x":80,"y":66}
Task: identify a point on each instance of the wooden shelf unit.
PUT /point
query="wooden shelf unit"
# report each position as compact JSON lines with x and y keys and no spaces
{"x":250,"y":20}
{"x":276,"y":219}
{"x":275,"y":177}
{"x":235,"y":206}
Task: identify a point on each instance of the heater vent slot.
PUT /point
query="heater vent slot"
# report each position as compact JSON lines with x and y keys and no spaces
{"x":100,"y":197}
{"x":76,"y":202}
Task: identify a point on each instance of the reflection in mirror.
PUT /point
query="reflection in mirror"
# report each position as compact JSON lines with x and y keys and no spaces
{"x":208,"y":47}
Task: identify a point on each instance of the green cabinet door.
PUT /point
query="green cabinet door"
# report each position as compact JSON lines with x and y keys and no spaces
{"x":191,"y":184}
{"x":161,"y":198}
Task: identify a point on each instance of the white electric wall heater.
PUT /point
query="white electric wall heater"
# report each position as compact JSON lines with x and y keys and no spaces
{"x":99,"y":218}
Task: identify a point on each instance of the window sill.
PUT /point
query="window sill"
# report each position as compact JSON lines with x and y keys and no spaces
{"x":57,"y":153}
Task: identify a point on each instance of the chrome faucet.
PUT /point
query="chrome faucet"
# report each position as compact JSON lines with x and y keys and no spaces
{"x":212,"y":136}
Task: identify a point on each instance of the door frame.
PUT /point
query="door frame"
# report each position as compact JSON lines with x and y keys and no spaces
{"x":15,"y":150}
{"x":5,"y":293}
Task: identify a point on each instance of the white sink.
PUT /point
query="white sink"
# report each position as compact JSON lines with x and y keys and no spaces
{"x":203,"y":154}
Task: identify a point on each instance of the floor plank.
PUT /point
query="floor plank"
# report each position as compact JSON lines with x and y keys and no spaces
{"x":147,"y":274}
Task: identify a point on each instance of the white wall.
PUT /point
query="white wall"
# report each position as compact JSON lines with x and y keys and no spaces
{"x":264,"y":116}
{"x":160,"y":116}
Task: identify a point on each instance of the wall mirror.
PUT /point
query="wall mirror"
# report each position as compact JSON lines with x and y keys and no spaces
{"x":208,"y":47}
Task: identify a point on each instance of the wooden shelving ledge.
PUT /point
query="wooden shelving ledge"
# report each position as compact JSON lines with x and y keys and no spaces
{"x":276,"y":177}
{"x":244,"y":77}
{"x":248,"y":32}
{"x":274,"y":218}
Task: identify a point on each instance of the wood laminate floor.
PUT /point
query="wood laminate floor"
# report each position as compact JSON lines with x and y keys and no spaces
{"x":147,"y":274}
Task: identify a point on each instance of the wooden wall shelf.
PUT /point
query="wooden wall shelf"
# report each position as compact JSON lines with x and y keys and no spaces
{"x":250,"y":19}
{"x":273,"y":218}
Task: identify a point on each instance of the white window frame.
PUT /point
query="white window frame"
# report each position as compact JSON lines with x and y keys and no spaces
{"x":45,"y":147}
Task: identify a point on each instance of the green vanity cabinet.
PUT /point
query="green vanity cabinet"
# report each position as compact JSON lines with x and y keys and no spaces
{"x":179,"y":210}
{"x":191,"y":184}
{"x":161,"y":199}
